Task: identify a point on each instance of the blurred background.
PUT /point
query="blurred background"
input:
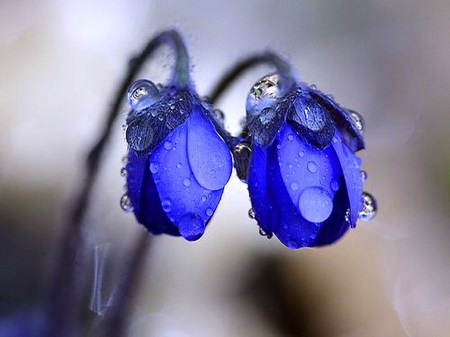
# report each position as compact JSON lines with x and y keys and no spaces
{"x":60,"y":63}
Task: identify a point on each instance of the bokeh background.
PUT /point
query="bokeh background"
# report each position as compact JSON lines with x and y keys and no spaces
{"x":388,"y":59}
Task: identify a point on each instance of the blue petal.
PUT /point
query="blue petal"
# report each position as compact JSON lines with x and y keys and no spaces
{"x":311,"y":176}
{"x":291,"y":229}
{"x":350,"y":165}
{"x":187,"y":204}
{"x":144,"y":197}
{"x":336,"y":225}
{"x":209,"y":156}
{"x":265,"y":213}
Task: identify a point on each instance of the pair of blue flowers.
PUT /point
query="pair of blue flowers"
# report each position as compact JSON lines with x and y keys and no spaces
{"x":296,"y":153}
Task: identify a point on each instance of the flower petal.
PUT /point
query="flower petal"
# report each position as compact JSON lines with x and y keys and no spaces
{"x":291,"y":229}
{"x":209,"y":156}
{"x":187,"y":204}
{"x":265,"y":214}
{"x":350,"y":165}
{"x":336,"y":225}
{"x":311,"y":176}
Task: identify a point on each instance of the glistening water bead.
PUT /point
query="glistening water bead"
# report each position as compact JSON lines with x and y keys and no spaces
{"x":142,"y":94}
{"x":263,"y":94}
{"x":369,"y":207}
{"x":125,"y":203}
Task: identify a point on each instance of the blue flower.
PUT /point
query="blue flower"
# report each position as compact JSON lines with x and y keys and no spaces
{"x":178,"y":161}
{"x":304,"y":178}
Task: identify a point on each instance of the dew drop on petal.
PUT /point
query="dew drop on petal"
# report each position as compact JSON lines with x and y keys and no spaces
{"x":369,"y":207}
{"x":290,"y":137}
{"x":312,"y":167}
{"x":123,"y":171}
{"x":334,"y":184}
{"x":315,"y":204}
{"x":301,"y":154}
{"x":179,"y":165}
{"x":294,"y":186}
{"x":363,"y":175}
{"x":125,"y":203}
{"x":263,"y":233}
{"x":154,"y":167}
{"x":191,"y":227}
{"x":166,"y":205}
{"x":142,"y":94}
{"x":203,"y":198}
{"x":209,"y":211}
{"x":251,"y":213}
{"x":186,"y":182}
{"x":168,"y":145}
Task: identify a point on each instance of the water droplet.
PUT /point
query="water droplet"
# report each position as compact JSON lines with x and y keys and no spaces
{"x":125,"y":203}
{"x":179,"y":165}
{"x":142,"y":94}
{"x":263,"y":94}
{"x":251,"y":213}
{"x":166,"y":205}
{"x":334,"y":184}
{"x":358,"y":120}
{"x":186,"y":182}
{"x":154,"y":167}
{"x":363,"y":175}
{"x":369,"y":208}
{"x":291,"y":137}
{"x":294,"y":186}
{"x":209,"y":211}
{"x":301,"y":154}
{"x":203,"y":198}
{"x":263,"y":233}
{"x":315,"y":204}
{"x":191,"y":227}
{"x":285,"y":226}
{"x":168,"y":145}
{"x":313,"y":86}
{"x":312,"y":167}
{"x":125,"y":160}
{"x":123,"y":171}
{"x":160,"y":117}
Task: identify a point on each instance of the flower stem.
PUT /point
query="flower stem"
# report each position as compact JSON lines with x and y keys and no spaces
{"x":287,"y":74}
{"x":65,"y":290}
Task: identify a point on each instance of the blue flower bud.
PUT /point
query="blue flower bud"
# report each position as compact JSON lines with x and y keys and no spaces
{"x":304,"y":178}
{"x":178,"y":164}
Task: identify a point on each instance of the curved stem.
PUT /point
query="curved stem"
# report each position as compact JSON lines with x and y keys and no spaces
{"x":287,"y":75}
{"x":66,"y":283}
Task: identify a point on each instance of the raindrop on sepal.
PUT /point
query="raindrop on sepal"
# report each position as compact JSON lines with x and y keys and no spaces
{"x":125,"y":203}
{"x":142,"y":94}
{"x":357,"y":119}
{"x":369,"y":207}
{"x":263,"y":94}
